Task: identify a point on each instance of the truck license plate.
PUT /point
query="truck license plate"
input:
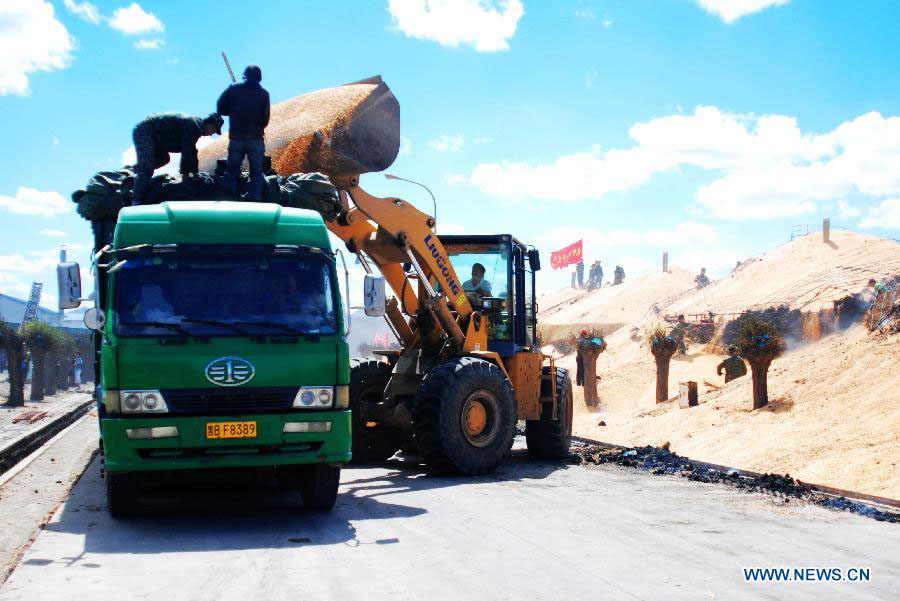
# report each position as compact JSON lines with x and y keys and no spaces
{"x":231,"y":430}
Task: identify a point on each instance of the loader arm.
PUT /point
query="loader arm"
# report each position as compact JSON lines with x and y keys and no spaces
{"x":388,"y":232}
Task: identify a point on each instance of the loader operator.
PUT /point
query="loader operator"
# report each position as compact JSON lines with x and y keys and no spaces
{"x":246,"y":105}
{"x":478,"y":285}
{"x":158,"y":135}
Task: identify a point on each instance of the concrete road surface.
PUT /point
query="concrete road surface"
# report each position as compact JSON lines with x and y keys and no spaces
{"x":532,"y":531}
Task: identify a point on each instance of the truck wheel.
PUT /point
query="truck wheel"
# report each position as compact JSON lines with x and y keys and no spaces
{"x":122,"y":495}
{"x":373,"y":442}
{"x":464,"y":416}
{"x":319,"y":486}
{"x":549,"y":438}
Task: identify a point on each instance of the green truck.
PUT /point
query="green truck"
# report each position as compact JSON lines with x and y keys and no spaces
{"x":221,"y":343}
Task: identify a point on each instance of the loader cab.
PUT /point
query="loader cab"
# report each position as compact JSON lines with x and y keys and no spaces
{"x":504,"y":291}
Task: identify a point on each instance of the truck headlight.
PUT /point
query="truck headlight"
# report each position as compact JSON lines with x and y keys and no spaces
{"x":314,"y":397}
{"x":142,"y":401}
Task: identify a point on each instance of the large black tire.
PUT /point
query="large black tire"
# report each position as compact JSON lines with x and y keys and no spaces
{"x":122,"y":494}
{"x":454,"y":398}
{"x":372,"y":443}
{"x":549,"y":438}
{"x":319,"y":486}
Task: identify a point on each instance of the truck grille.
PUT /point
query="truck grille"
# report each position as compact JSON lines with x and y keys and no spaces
{"x":205,"y":401}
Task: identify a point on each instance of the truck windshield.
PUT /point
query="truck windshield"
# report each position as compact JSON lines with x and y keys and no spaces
{"x":199,"y":294}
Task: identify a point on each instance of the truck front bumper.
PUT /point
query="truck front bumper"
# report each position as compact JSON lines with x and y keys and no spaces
{"x":190,"y":449}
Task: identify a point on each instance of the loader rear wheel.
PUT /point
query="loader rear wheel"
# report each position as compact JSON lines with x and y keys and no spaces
{"x":549,"y":438}
{"x":373,"y":442}
{"x":464,"y":416}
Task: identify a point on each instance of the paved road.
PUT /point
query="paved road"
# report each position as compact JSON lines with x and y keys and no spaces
{"x":532,"y":531}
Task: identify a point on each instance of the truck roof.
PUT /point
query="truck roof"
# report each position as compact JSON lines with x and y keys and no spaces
{"x":214,"y":222}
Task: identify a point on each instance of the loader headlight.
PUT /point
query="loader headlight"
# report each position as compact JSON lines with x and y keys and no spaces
{"x":314,"y":397}
{"x":142,"y":401}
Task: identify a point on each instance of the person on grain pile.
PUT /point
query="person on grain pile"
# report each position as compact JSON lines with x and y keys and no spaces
{"x":733,"y":365}
{"x":583,"y":336}
{"x":701,"y":279}
{"x":158,"y":135}
{"x":679,"y":332}
{"x":579,"y":270}
{"x":246,"y":105}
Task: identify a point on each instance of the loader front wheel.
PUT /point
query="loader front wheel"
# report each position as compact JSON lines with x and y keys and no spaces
{"x":373,"y":442}
{"x":549,"y":438}
{"x":464,"y":416}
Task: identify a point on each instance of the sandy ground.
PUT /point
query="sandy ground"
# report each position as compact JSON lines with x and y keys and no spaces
{"x":834,"y":415}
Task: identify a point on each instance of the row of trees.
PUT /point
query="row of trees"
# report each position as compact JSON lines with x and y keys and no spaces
{"x":757,"y":340}
{"x":52,"y":357}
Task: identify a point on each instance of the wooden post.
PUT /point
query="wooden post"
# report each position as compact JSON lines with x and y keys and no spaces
{"x":665,"y":262}
{"x":826,"y":230}
{"x":687,"y":395}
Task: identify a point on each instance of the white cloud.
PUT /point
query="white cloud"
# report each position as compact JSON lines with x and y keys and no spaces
{"x":486,"y":25}
{"x":54,"y":233}
{"x":405,"y":146}
{"x":450,"y":229}
{"x":55,"y":142}
{"x":590,"y":78}
{"x":584,"y":12}
{"x":19,"y":263}
{"x":732,"y":10}
{"x":846,"y":210}
{"x":482,"y":140}
{"x":455,"y":179}
{"x":31,"y":39}
{"x":84,"y":10}
{"x":447,"y":143}
{"x":149,"y":44}
{"x":885,"y":215}
{"x":766,"y":167}
{"x":134,"y":20}
{"x":685,"y":234}
{"x":29,"y":201}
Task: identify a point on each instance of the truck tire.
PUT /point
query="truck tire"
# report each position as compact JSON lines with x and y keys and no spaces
{"x":549,"y":438}
{"x":372,"y":442}
{"x":464,"y":416}
{"x":319,"y":486}
{"x":122,"y":494}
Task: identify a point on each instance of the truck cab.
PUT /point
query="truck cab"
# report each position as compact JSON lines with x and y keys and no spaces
{"x":221,"y":344}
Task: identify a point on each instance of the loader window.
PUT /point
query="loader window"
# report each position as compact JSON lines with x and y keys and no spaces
{"x":468,"y":262}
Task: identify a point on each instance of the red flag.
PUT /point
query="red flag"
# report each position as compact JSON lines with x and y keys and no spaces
{"x":570,"y":255}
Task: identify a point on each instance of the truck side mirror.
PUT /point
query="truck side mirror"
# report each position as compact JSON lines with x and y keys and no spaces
{"x":68,"y":280}
{"x":534,"y":258}
{"x":94,"y":319}
{"x":373,"y":295}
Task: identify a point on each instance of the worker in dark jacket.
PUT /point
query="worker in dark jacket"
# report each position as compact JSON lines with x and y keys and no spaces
{"x":158,"y":135}
{"x":733,"y":365}
{"x":246,"y":105}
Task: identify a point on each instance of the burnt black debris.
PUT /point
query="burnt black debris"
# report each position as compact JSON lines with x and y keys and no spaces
{"x":659,"y":461}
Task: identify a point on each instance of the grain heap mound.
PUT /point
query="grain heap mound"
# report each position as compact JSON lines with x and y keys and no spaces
{"x":341,"y":131}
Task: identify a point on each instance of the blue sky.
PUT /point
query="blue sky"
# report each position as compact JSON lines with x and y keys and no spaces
{"x":708,"y":128}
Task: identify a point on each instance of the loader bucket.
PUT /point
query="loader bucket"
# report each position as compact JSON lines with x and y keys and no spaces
{"x":342,"y":131}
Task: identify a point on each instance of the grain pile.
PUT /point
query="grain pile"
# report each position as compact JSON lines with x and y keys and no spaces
{"x":834,"y":412}
{"x":341,"y":131}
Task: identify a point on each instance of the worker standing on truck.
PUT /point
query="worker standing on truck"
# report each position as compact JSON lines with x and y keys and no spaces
{"x":158,"y":135}
{"x":733,"y":365}
{"x":246,"y":105}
